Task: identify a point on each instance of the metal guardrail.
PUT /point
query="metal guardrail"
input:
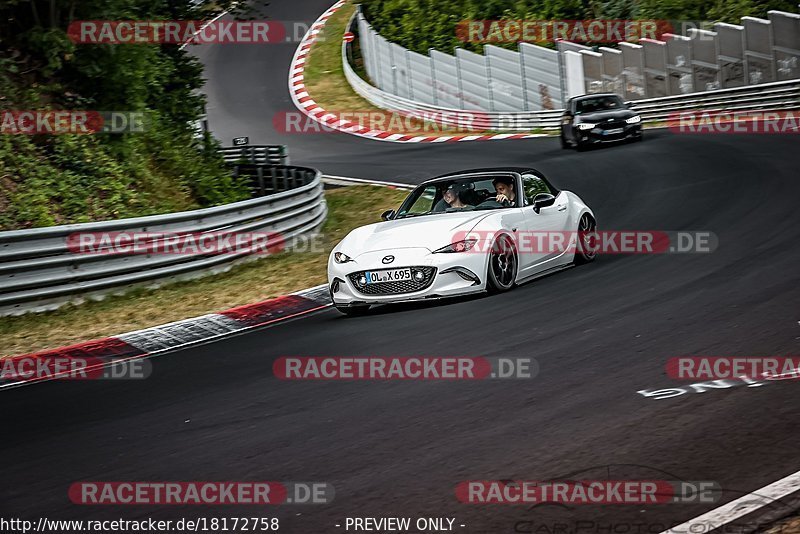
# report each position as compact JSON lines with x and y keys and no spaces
{"x":530,"y":77}
{"x":775,"y":95}
{"x":343,"y":181}
{"x":256,"y":154}
{"x":39,"y":271}
{"x":267,"y":180}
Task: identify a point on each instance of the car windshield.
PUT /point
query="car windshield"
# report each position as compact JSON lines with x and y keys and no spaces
{"x":599,"y":103}
{"x":460,"y":194}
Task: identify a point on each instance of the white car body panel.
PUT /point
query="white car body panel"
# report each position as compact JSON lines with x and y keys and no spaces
{"x":412,"y":241}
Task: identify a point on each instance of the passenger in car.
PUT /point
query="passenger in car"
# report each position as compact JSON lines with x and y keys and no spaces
{"x":452,"y":197}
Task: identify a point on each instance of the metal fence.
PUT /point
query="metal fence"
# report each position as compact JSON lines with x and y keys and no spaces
{"x":39,"y":269}
{"x":535,"y":78}
{"x":256,"y":154}
{"x":776,"y":95}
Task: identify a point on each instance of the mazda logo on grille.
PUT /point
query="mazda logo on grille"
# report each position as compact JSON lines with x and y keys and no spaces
{"x":387,"y":259}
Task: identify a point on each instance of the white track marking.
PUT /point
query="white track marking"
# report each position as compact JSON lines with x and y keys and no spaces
{"x":741,"y":507}
{"x":205,"y":25}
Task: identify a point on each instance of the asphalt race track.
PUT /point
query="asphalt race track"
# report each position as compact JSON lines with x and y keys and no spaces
{"x":600,"y":333}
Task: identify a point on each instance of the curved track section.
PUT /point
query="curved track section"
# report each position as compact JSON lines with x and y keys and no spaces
{"x":305,"y":102}
{"x":600,"y":333}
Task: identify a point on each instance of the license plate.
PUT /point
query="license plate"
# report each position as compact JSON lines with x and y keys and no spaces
{"x":612,"y":131}
{"x":388,"y":275}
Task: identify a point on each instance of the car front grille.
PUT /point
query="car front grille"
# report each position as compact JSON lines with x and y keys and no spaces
{"x":395,"y":288}
{"x":610,"y":125}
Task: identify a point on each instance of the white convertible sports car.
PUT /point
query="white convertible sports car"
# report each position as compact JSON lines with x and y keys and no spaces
{"x":460,"y":233}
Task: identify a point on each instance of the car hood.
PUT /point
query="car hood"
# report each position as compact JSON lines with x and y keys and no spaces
{"x":598,"y":116}
{"x":428,"y":231}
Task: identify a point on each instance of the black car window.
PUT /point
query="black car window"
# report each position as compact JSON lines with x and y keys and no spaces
{"x":533,"y":185}
{"x":425,"y":202}
{"x":600,"y":103}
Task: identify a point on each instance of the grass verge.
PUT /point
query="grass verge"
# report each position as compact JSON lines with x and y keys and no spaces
{"x":786,"y":526}
{"x":348,"y":208}
{"x":326,"y":83}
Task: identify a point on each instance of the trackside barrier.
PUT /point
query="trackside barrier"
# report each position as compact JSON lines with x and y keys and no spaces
{"x":773,"y":95}
{"x":776,"y":95}
{"x":535,"y":78}
{"x":256,"y":154}
{"x":39,"y":272}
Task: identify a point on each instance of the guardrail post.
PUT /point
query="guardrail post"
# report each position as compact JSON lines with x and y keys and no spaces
{"x":410,"y":76}
{"x":459,"y":84}
{"x":260,"y":172}
{"x":523,"y":81}
{"x":433,"y":79}
{"x":490,"y":84}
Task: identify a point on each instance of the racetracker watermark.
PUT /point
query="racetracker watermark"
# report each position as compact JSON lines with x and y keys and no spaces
{"x":200,"y":493}
{"x":548,"y":31}
{"x":33,"y":368}
{"x":296,"y":122}
{"x":602,"y":242}
{"x":723,"y":367}
{"x":186,"y":32}
{"x":403,"y":368}
{"x":735,"y":122}
{"x":63,"y":122}
{"x":191,"y":243}
{"x":145,"y":524}
{"x":587,"y":492}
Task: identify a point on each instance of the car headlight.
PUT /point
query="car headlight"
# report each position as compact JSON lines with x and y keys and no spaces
{"x":341,"y":257}
{"x":458,"y":246}
{"x":586,"y":125}
{"x":634,"y":120}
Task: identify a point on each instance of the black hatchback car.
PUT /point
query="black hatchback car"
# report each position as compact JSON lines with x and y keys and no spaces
{"x":598,"y":118}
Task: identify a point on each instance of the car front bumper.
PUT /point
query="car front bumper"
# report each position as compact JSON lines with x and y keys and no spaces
{"x":446,"y":275}
{"x":605,"y":134}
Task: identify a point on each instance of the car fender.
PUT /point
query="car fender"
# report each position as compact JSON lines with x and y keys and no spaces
{"x":578,"y":209}
{"x":490,"y":228}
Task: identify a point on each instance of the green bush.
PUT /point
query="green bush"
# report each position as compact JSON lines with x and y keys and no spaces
{"x":57,"y":179}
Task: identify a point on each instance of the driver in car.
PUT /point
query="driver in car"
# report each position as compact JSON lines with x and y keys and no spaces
{"x":504,"y":186}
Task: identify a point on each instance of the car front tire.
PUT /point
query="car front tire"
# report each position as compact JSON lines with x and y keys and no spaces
{"x":503,"y":265}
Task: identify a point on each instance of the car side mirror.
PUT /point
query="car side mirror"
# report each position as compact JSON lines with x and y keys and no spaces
{"x":542,"y":200}
{"x":387,"y":215}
